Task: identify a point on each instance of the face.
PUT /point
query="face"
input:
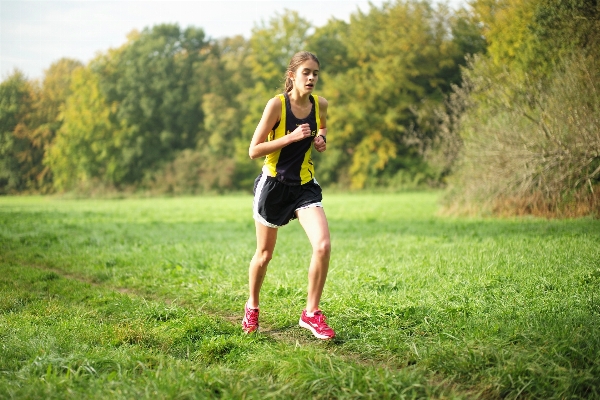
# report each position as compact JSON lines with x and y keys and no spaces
{"x":306,"y":76}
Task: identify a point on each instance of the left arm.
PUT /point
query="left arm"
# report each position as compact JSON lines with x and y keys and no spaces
{"x":320,"y":143}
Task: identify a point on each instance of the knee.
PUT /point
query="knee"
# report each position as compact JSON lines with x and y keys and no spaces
{"x":323,"y":249}
{"x":263,"y":257}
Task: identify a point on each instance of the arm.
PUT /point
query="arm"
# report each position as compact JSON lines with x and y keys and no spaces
{"x":259,"y":147}
{"x":320,"y":144}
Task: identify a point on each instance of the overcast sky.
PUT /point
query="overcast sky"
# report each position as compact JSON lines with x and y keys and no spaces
{"x":34,"y":34}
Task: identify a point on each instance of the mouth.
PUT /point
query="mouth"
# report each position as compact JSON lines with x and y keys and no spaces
{"x":310,"y":85}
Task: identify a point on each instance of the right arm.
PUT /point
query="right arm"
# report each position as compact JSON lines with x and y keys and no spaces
{"x":259,"y":147}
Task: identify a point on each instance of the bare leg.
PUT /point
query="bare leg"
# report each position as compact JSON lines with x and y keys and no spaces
{"x":265,"y":244}
{"x":315,"y":225}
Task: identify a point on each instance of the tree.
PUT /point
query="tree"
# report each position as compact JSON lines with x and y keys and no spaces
{"x":31,"y":117}
{"x":329,"y":44}
{"x":89,"y":145}
{"x":54,"y":91}
{"x":399,"y":58}
{"x":153,"y":84}
{"x":17,"y":98}
{"x":564,"y":27}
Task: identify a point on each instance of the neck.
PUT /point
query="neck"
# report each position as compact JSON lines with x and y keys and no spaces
{"x":299,"y":98}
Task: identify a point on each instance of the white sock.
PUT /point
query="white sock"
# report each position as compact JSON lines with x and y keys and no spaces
{"x":310,"y":314}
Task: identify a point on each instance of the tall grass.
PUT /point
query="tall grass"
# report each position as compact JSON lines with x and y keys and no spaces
{"x":517,"y":145}
{"x":143,"y":298}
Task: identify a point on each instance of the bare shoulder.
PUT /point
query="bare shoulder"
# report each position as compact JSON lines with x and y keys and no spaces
{"x":322,"y":102}
{"x":274,"y":103}
{"x":323,"y":108}
{"x":273,"y":108}
{"x":275,"y":100}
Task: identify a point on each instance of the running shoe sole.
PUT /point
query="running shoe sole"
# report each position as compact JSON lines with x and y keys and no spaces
{"x":312,"y":329}
{"x":250,"y":332}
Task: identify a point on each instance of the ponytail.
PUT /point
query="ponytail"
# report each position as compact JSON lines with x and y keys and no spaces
{"x":289,"y":84}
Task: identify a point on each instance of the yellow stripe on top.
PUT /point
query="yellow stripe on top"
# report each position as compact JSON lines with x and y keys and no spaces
{"x":271,"y":160}
{"x":307,"y":173}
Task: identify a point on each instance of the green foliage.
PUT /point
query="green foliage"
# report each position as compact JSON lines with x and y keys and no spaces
{"x":272,"y":45}
{"x":87,"y":148}
{"x":144,"y":298}
{"x":535,"y":37}
{"x":152,"y":82}
{"x":16,"y":106}
{"x":30,"y":118}
{"x":170,"y":96}
{"x":398,"y":57}
{"x":506,"y":27}
{"x":192,"y":172}
{"x":218,"y":161}
{"x":564,"y":27}
{"x":528,"y":114}
{"x":55,"y":89}
{"x":329,"y":43}
{"x":31,"y":115}
{"x":524,"y":143}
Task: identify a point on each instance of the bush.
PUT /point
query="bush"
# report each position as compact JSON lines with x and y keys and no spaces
{"x":192,"y":172}
{"x":528,"y":146}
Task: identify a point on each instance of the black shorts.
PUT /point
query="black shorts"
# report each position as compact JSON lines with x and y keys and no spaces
{"x":276,"y":203}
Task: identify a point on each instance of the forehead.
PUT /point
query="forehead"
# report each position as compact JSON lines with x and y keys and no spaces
{"x":309,"y":64}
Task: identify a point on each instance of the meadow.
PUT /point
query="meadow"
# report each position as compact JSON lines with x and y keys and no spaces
{"x":143,"y":298}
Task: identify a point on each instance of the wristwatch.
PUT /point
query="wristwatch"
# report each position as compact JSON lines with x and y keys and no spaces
{"x":324,"y":138}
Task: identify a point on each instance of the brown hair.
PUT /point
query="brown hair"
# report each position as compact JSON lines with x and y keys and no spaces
{"x":295,"y":62}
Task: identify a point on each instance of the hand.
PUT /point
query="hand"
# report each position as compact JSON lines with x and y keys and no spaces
{"x":320,"y":144}
{"x":301,"y":132}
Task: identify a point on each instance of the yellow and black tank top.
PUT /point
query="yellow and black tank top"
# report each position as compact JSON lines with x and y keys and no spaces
{"x":293,"y":164}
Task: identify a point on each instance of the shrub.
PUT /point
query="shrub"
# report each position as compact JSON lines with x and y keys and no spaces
{"x":529,"y":146}
{"x":192,"y":172}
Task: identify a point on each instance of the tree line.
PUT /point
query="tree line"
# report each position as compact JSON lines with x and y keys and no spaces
{"x":172,"y":110}
{"x":485,"y":99}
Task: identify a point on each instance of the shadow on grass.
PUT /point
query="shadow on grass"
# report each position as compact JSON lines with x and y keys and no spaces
{"x":302,"y":337}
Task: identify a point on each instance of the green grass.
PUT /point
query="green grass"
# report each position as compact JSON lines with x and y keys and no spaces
{"x":142,"y":298}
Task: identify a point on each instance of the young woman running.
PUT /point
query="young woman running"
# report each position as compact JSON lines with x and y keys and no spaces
{"x":291,"y":124}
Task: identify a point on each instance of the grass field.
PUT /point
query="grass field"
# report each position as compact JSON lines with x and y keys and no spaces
{"x":143,"y":298}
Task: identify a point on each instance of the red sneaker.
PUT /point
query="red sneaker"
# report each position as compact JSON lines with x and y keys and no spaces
{"x":317,"y":325}
{"x":250,"y":321}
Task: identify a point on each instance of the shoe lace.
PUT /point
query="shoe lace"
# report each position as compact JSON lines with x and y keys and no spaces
{"x":252,"y":316}
{"x":320,"y":317}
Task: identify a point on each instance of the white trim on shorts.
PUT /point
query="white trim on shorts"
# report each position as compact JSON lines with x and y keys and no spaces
{"x":311,"y":205}
{"x":256,"y":214}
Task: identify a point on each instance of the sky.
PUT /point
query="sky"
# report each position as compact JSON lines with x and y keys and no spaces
{"x":36,"y":33}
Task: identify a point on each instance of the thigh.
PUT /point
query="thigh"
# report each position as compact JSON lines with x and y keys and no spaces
{"x":266,"y":237}
{"x":314,"y":222}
